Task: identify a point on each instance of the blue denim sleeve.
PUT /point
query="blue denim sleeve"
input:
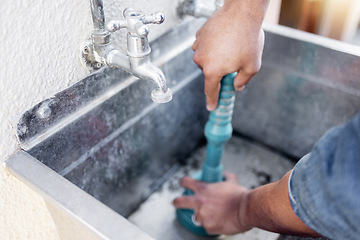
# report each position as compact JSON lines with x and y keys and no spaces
{"x":324,"y":187}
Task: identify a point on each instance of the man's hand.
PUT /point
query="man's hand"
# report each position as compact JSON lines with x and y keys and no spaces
{"x":228,"y":208}
{"x":217,"y":205}
{"x":230,"y":41}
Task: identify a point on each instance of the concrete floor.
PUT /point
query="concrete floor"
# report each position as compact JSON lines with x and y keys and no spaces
{"x":254,"y":165}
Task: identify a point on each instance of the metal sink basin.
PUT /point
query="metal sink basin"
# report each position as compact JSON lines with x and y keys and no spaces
{"x":101,"y":153}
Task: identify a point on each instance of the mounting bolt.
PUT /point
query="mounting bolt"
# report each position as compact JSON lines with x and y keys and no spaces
{"x":97,"y":65}
{"x":86,"y":50}
{"x":44,"y":111}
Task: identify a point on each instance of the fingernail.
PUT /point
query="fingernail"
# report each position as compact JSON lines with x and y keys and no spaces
{"x":240,"y":88}
{"x":210,"y":108}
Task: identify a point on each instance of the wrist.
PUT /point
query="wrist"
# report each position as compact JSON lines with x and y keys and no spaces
{"x":244,"y":210}
{"x":254,"y":9}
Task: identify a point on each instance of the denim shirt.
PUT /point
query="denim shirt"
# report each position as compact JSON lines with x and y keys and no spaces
{"x":324,"y":187}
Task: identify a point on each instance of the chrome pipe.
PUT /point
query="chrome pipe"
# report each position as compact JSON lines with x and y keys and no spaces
{"x":97,"y":12}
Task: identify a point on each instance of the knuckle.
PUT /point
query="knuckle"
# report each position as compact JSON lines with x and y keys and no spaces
{"x":201,"y":213}
{"x":178,"y":202}
{"x":183,"y":181}
{"x":210,"y":227}
{"x":201,"y":188}
{"x":198,"y":33}
{"x":209,"y":72}
{"x":199,"y":203}
{"x":197,"y":58}
{"x":252,"y":69}
{"x":194,"y":46}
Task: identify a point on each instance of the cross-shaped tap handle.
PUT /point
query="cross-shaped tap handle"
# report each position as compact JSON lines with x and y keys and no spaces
{"x":135,"y":22}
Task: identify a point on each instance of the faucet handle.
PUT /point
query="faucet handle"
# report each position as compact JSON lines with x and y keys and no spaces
{"x":156,"y":18}
{"x":135,"y":22}
{"x":131,"y":14}
{"x":114,"y":25}
{"x":140,"y":27}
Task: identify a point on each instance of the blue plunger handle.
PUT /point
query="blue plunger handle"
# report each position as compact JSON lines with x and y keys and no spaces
{"x":218,"y":130}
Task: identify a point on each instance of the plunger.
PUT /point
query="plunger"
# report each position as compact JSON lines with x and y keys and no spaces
{"x":218,"y":131}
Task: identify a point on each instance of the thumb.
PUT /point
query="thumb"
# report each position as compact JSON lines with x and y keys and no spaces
{"x":241,"y":79}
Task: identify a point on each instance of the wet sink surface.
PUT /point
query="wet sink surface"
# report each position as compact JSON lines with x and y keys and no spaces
{"x":254,"y":165}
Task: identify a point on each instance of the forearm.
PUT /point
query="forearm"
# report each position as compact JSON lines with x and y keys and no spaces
{"x":254,"y":10}
{"x":268,"y":207}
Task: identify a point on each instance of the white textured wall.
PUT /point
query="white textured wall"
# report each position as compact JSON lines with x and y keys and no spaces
{"x":39,"y":48}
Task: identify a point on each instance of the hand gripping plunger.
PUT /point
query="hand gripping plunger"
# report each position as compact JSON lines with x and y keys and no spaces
{"x":218,"y":130}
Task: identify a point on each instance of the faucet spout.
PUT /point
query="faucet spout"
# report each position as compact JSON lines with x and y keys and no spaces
{"x":143,"y":68}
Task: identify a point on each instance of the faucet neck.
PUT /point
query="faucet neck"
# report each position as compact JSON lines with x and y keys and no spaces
{"x":137,"y":46}
{"x":100,"y":35}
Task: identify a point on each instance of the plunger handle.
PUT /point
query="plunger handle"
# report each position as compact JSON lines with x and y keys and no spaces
{"x":218,"y":130}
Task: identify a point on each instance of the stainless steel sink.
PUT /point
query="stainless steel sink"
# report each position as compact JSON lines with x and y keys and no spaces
{"x":104,"y":157}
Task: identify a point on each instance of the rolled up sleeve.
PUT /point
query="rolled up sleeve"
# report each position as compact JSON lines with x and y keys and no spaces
{"x":324,"y":187}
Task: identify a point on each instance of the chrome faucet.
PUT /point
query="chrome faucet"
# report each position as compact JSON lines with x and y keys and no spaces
{"x":137,"y":60}
{"x":199,"y":8}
